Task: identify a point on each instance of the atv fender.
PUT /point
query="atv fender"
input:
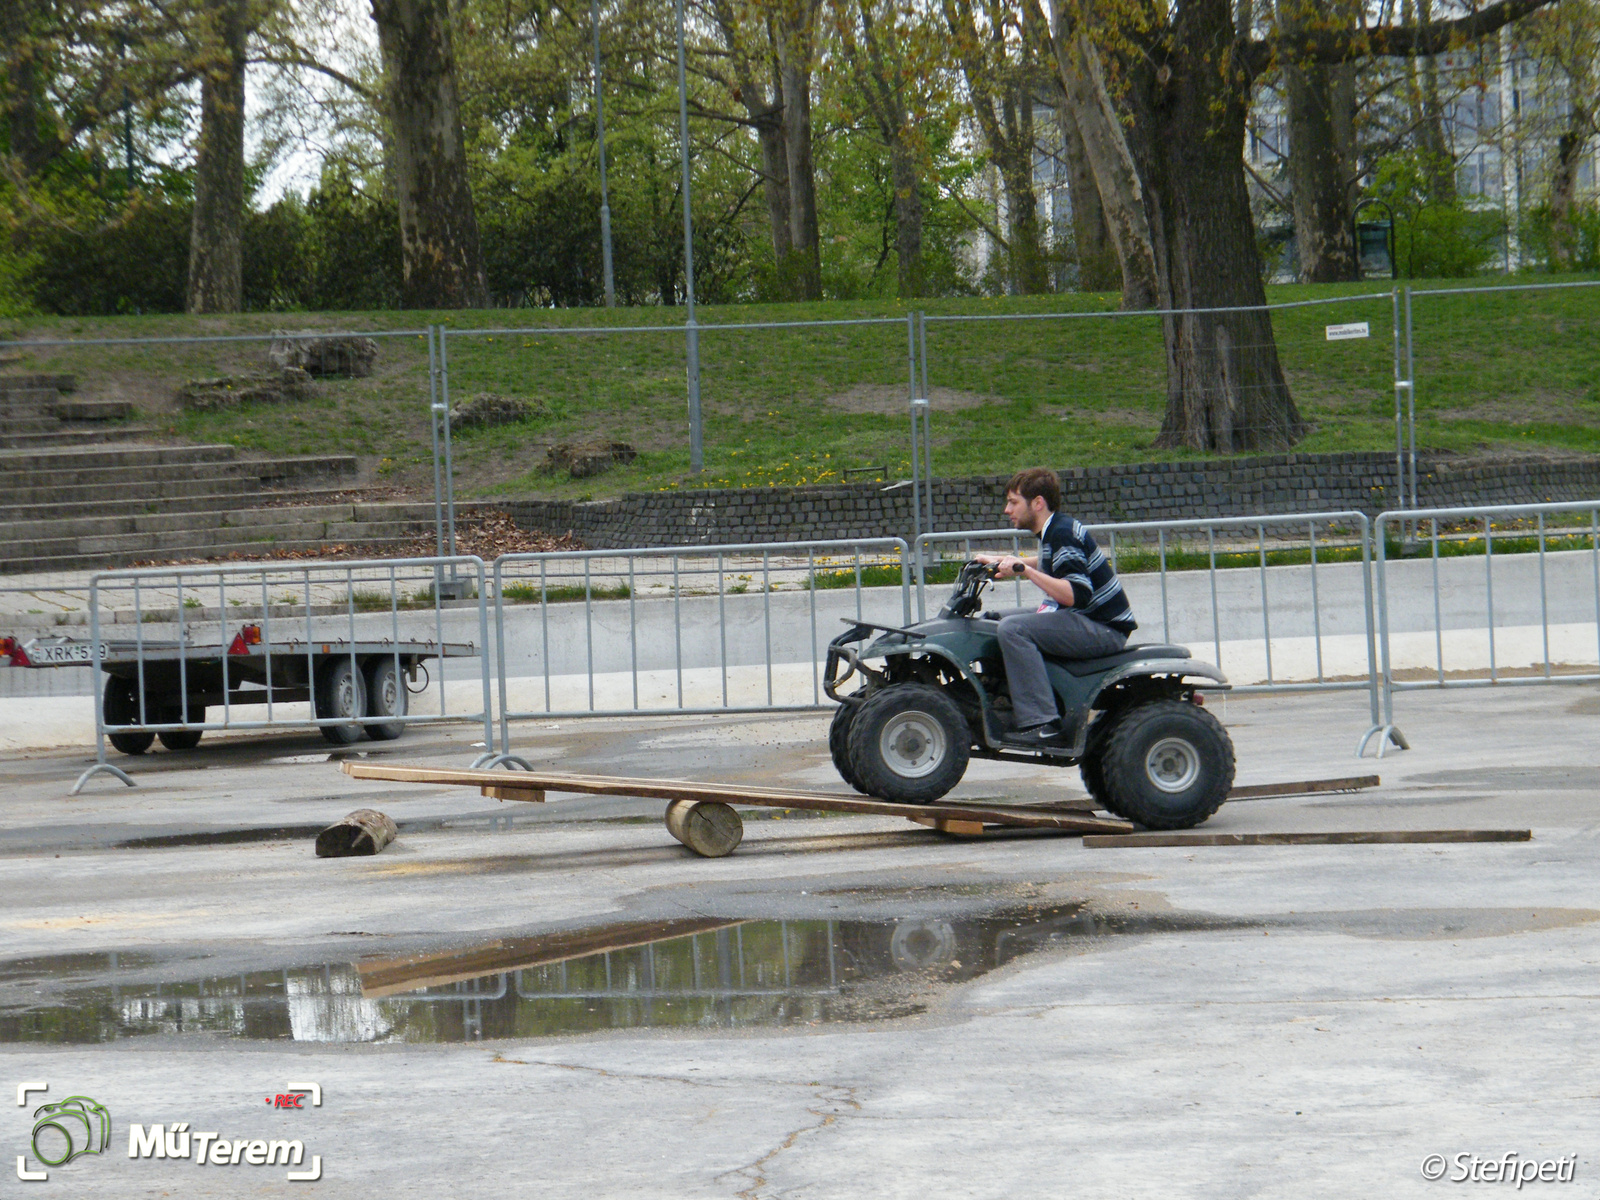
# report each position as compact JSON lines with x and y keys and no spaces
{"x":1077,"y":720}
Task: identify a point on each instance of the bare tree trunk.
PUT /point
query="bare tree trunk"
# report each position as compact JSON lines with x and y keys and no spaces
{"x":1097,"y":259}
{"x":1225,"y":386}
{"x":1030,"y":273}
{"x":802,"y":269}
{"x":877,"y":79}
{"x":438,"y":225}
{"x":215,"y":255}
{"x":1320,"y":174}
{"x":1105,"y":147}
{"x":764,"y":105}
{"x":1564,"y":185}
{"x":21,"y":83}
{"x":775,"y":184}
{"x":907,"y":183}
{"x":1422,"y":96}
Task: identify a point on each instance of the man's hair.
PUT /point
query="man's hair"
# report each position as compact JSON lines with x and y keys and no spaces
{"x":1037,"y":481}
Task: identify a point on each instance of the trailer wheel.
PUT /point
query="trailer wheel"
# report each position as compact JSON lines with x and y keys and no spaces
{"x":120,"y":706}
{"x":909,"y":743}
{"x":180,"y":739}
{"x":341,"y":692}
{"x":1168,"y":765}
{"x":839,"y":745}
{"x":386,"y":697}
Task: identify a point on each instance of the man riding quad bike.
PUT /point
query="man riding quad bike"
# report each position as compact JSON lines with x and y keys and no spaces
{"x":931,"y":696}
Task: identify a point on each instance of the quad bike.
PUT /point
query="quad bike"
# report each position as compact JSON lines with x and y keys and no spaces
{"x":1132,"y":722}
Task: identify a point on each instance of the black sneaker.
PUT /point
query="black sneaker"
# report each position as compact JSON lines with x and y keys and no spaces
{"x":1035,"y":736}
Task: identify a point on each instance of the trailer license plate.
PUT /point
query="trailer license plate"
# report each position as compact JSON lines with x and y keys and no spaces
{"x":54,"y":654}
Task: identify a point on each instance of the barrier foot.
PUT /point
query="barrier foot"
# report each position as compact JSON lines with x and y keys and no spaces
{"x":1385,"y":735}
{"x":489,"y":762}
{"x":109,"y":770}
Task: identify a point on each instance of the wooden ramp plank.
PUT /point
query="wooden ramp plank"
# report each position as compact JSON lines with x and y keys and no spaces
{"x":508,"y":784}
{"x":1337,"y":838}
{"x":1263,"y":791}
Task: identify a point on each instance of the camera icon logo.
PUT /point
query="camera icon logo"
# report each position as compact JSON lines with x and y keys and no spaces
{"x":69,"y":1128}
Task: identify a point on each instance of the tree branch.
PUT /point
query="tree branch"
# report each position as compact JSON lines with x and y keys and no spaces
{"x":1332,"y":46}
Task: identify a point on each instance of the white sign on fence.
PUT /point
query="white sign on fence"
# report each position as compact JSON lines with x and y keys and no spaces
{"x":1340,"y":333}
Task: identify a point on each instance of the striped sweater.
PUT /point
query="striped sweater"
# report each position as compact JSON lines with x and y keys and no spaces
{"x":1068,"y":551}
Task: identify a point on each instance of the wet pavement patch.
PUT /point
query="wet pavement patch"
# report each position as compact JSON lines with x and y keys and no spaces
{"x":703,"y":973}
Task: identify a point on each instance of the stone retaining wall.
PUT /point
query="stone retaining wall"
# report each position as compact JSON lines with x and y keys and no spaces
{"x":1145,"y":492}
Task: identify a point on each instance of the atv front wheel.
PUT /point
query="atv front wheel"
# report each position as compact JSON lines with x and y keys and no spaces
{"x":1167,"y":764}
{"x":839,"y":745}
{"x":910,"y":743}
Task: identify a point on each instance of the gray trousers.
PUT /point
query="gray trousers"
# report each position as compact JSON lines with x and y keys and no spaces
{"x":1027,"y":636}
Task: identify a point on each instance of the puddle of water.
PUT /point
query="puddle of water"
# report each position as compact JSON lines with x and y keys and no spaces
{"x":705,"y":973}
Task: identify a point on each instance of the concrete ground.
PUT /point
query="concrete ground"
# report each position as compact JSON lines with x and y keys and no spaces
{"x":1270,"y":1021}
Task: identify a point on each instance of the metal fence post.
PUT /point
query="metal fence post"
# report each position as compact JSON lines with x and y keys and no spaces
{"x":96,"y":653}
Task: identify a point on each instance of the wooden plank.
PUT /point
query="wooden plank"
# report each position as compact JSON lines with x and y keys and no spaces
{"x":517,"y":783}
{"x":1336,"y":838}
{"x":1262,"y":791}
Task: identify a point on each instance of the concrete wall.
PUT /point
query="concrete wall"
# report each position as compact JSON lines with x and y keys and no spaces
{"x":1156,"y":491}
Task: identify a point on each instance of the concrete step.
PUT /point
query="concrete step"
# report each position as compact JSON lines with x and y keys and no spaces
{"x":92,"y":410}
{"x":40,"y":422}
{"x":98,"y":458}
{"x":175,"y":533}
{"x":291,"y":472}
{"x":29,"y":400}
{"x":77,"y":563}
{"x":28,"y":383}
{"x":188,"y":500}
{"x":136,"y":487}
{"x":49,"y":439}
{"x":171,"y":522}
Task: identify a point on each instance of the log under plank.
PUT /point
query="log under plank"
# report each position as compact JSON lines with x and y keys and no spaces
{"x":1338,"y":838}
{"x":514,"y":785}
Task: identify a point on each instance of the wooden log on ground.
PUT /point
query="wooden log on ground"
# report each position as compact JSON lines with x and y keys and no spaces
{"x":955,"y":828}
{"x":365,"y":831}
{"x":709,"y":828}
{"x":1338,"y":838}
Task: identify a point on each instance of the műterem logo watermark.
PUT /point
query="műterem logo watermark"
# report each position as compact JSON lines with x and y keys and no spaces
{"x":79,"y":1125}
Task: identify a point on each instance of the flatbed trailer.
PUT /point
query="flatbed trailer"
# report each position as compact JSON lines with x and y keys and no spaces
{"x":162,"y":689}
{"x":701,"y":816}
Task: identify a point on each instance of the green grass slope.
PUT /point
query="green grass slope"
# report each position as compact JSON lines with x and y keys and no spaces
{"x":1063,"y":380}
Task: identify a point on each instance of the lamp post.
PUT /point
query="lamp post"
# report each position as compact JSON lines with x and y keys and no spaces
{"x":600,"y":126}
{"x":696,"y":447}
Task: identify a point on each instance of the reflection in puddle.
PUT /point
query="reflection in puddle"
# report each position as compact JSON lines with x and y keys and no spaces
{"x":705,"y":973}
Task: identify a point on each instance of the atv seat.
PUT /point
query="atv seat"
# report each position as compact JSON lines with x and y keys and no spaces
{"x":1097,"y":666}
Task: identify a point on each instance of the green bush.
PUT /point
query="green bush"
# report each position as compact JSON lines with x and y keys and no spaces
{"x":1538,"y":238}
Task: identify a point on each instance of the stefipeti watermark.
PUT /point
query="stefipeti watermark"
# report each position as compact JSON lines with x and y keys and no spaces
{"x":1510,"y":1167}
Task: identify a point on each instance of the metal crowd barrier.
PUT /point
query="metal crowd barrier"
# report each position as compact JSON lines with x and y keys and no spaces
{"x":1536,"y":590}
{"x":1230,"y":606}
{"x":262,"y":635}
{"x":637,"y":619}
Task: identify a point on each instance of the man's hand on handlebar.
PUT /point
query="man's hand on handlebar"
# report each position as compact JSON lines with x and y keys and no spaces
{"x":1003,"y":564}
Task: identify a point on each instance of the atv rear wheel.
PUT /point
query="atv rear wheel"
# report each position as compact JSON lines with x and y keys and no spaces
{"x":1167,"y":764}
{"x":839,"y":745}
{"x":909,"y":742}
{"x":1091,"y":767}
